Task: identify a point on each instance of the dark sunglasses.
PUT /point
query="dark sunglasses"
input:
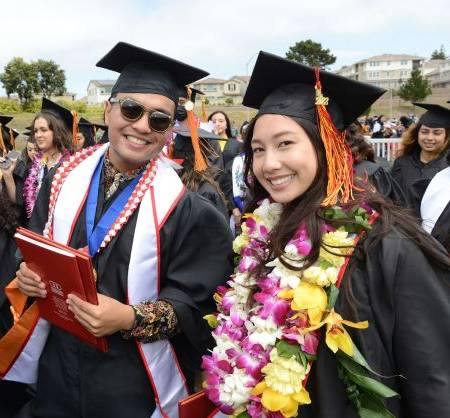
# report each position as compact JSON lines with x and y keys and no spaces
{"x":133,"y":111}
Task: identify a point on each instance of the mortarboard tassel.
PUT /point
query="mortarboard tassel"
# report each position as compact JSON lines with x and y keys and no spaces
{"x":2,"y":143}
{"x":200,"y":163}
{"x":204,"y":115}
{"x":12,"y":139}
{"x":74,"y":128}
{"x":338,"y":154}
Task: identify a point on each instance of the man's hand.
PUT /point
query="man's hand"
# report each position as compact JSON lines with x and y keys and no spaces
{"x":29,"y":283}
{"x":106,"y":318}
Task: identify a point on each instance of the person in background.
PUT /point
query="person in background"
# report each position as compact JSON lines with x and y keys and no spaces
{"x":367,"y":170}
{"x":85,"y":134}
{"x":197,"y":173}
{"x":423,"y":151}
{"x":230,"y":148}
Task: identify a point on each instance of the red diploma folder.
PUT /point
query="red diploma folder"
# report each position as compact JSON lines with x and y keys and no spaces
{"x":196,"y":406}
{"x":64,"y":270}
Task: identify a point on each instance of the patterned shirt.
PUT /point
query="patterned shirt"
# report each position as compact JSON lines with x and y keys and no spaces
{"x":154,"y":320}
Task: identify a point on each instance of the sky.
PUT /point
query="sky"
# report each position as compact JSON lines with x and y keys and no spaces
{"x":221,"y":37}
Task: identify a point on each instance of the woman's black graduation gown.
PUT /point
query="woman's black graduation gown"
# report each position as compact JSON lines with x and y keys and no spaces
{"x":406,"y":302}
{"x":75,"y":380}
{"x":382,"y":180}
{"x":408,"y":169}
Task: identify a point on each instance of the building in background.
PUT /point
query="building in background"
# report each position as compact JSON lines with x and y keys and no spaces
{"x":99,"y":90}
{"x":387,"y":71}
{"x":218,"y":91}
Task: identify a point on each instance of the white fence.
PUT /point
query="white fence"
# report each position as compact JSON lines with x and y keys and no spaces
{"x":385,"y":147}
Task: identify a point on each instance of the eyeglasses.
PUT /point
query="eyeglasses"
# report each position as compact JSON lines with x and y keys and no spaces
{"x":133,"y":111}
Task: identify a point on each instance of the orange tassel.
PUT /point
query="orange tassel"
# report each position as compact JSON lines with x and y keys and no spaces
{"x":13,"y":141}
{"x":74,"y":129}
{"x":338,"y":153}
{"x":2,"y":143}
{"x":200,"y":163}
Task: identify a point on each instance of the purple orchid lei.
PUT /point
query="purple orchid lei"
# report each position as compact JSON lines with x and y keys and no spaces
{"x":267,"y":328}
{"x":33,"y":181}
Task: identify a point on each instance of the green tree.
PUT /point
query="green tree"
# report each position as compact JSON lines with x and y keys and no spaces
{"x":415,"y":89}
{"x":21,"y":78}
{"x":51,"y":78}
{"x":311,"y":53}
{"x":439,"y":54}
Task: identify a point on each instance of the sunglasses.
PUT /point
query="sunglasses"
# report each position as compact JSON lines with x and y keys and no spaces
{"x":133,"y":111}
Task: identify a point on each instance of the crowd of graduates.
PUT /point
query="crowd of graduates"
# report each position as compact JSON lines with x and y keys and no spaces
{"x":292,"y":154}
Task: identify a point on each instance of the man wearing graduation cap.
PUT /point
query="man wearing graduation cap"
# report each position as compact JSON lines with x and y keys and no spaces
{"x":158,"y":263}
{"x":424,"y":152}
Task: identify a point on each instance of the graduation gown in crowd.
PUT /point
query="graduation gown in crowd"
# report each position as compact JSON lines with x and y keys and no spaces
{"x":212,"y":195}
{"x":433,"y":198}
{"x":195,"y":241}
{"x":406,"y":302}
{"x":382,"y":180}
{"x":408,"y":169}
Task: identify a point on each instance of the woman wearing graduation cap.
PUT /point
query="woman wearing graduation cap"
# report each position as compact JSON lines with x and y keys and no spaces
{"x":51,"y":128}
{"x":424,"y":150}
{"x":339,"y":304}
{"x":159,"y":252}
{"x":197,"y":172}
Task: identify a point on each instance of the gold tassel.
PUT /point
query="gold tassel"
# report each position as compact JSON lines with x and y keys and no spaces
{"x":204,"y":114}
{"x":74,"y":129}
{"x":200,"y":163}
{"x":338,"y":154}
{"x":2,"y":143}
{"x":12,"y":139}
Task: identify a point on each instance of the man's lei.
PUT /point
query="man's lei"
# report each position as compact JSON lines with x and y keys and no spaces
{"x":267,"y":328}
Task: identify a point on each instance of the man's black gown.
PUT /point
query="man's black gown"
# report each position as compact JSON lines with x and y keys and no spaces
{"x":406,"y":302}
{"x":75,"y":380}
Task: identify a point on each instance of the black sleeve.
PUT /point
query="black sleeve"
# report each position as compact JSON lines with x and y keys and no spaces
{"x":421,"y":337}
{"x":196,"y":248}
{"x":388,"y":186}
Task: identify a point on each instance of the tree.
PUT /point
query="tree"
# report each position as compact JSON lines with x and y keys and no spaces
{"x":439,"y":55}
{"x":51,"y":78}
{"x":416,"y":88}
{"x":21,"y":78}
{"x":311,"y":53}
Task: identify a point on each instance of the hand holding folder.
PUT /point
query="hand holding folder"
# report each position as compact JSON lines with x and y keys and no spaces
{"x":64,"y":270}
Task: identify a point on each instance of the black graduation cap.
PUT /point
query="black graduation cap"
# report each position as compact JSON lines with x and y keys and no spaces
{"x":144,"y":71}
{"x":59,"y":111}
{"x":435,"y":117}
{"x":202,"y":133}
{"x":182,"y":144}
{"x":87,"y":129}
{"x":281,"y":86}
{"x":4,"y":120}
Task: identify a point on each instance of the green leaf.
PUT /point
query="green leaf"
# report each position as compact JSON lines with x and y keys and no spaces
{"x":332,"y":296}
{"x":287,"y":350}
{"x":324,"y":264}
{"x":371,"y":406}
{"x":360,"y":376}
{"x":244,"y":415}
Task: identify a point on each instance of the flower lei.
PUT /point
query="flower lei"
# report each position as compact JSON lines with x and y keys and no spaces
{"x":133,"y":201}
{"x":33,"y":181}
{"x":264,"y":351}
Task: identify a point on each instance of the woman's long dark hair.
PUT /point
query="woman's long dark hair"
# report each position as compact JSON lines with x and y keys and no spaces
{"x":9,"y":215}
{"x":62,"y":138}
{"x":307,"y":210}
{"x":227,"y":119}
